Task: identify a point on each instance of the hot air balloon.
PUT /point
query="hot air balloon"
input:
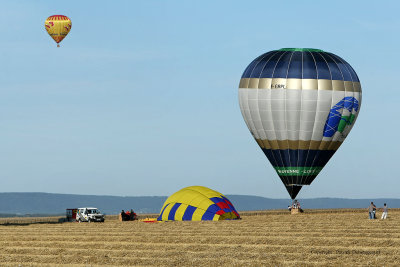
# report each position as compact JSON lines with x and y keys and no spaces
{"x":197,"y":203}
{"x":58,"y":26}
{"x":299,"y":104}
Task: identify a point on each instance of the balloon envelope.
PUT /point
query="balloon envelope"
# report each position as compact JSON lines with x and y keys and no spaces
{"x":299,"y":104}
{"x":58,"y":26}
{"x":197,"y":203}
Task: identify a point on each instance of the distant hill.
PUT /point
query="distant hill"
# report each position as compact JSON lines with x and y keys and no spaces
{"x":47,"y":203}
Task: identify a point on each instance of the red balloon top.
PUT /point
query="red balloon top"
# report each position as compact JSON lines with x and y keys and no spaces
{"x":58,"y":17}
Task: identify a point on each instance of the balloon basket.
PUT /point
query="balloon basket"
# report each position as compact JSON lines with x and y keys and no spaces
{"x":58,"y":45}
{"x":294,"y":211}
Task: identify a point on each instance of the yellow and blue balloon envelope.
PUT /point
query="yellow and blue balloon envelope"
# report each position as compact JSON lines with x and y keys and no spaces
{"x":197,"y":203}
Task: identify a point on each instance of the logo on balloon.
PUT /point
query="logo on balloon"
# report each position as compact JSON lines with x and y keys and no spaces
{"x":341,"y":115}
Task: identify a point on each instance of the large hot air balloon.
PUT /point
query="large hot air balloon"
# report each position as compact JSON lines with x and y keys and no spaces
{"x":197,"y":203}
{"x":299,"y":104}
{"x":58,"y":26}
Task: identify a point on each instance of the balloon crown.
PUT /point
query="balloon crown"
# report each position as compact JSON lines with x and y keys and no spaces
{"x":301,"y":49}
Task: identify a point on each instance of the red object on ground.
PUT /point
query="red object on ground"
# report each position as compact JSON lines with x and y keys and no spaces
{"x":71,"y":214}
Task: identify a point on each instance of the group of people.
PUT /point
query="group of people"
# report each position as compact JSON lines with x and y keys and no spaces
{"x":295,"y":205}
{"x":128,"y":215}
{"x":372,"y":211}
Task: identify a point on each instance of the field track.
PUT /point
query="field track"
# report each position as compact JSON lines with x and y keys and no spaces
{"x":268,"y":238}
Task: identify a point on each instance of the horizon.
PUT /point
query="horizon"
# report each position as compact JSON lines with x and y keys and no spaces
{"x":228,"y":194}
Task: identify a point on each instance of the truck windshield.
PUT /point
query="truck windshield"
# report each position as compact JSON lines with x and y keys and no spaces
{"x":93,"y":211}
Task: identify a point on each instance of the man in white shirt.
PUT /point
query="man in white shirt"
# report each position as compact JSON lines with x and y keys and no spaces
{"x":385,"y":211}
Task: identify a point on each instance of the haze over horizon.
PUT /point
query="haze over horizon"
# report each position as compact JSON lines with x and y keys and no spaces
{"x":141,"y":99}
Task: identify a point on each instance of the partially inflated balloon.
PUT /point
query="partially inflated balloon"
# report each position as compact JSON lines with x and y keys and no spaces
{"x":299,"y":105}
{"x":58,"y":26}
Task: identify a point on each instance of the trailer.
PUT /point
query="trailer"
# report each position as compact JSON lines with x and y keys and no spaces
{"x":71,"y":215}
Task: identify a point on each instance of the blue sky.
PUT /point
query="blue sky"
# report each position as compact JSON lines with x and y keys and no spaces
{"x":141,"y":98}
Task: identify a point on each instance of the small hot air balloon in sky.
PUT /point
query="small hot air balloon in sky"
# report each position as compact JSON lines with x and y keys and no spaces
{"x":58,"y":26}
{"x":299,"y":104}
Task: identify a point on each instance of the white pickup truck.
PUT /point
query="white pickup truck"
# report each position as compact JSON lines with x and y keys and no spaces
{"x":89,"y":215}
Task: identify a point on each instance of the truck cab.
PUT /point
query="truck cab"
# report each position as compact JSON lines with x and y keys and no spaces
{"x":89,"y":214}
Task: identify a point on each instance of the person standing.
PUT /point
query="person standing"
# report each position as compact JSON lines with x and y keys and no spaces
{"x":123,"y":215}
{"x":385,"y":211}
{"x":374,"y":211}
{"x":371,"y":210}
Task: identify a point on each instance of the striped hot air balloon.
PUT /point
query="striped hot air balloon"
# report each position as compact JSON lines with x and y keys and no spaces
{"x":197,"y":203}
{"x":299,"y":104}
{"x":58,"y":26}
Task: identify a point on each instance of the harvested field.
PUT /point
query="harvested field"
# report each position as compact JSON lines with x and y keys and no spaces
{"x":331,"y":237}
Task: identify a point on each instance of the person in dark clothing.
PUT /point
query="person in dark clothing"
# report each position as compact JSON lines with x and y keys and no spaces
{"x":123,"y":215}
{"x":372,"y":210}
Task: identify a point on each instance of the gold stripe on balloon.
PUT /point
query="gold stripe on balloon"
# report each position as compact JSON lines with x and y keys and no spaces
{"x":265,"y":83}
{"x":309,"y":84}
{"x":338,"y":85}
{"x":299,"y":84}
{"x":325,"y":85}
{"x":253,"y":83}
{"x":299,"y":144}
{"x":294,"y":83}
{"x":244,"y":83}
